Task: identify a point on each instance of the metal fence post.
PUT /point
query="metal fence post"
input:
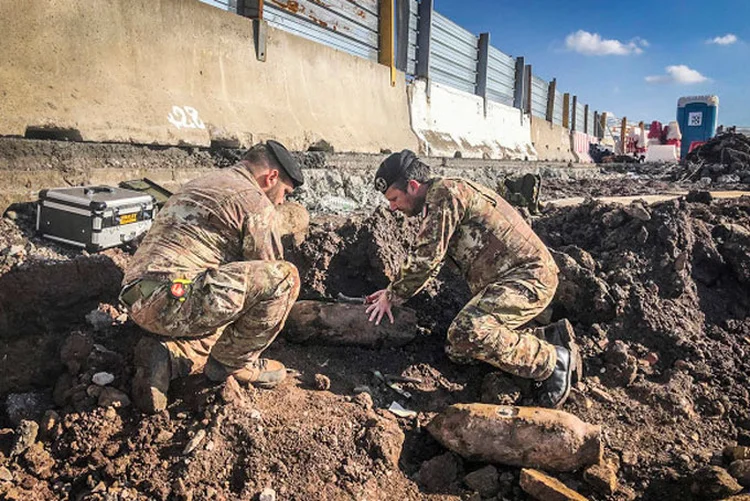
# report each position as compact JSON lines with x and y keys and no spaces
{"x":250,"y":8}
{"x":586,"y":119}
{"x":574,"y":125}
{"x":423,"y":38}
{"x":527,"y":88}
{"x":483,"y":57}
{"x":402,"y":34}
{"x":551,"y":100}
{"x":520,"y":84}
{"x":387,"y":54}
{"x":566,"y":111}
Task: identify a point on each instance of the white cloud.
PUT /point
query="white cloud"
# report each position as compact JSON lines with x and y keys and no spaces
{"x":727,"y":39}
{"x":592,"y":44}
{"x":679,"y":74}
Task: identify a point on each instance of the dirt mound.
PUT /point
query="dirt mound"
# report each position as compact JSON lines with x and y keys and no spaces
{"x":726,"y":157}
{"x":658,"y":295}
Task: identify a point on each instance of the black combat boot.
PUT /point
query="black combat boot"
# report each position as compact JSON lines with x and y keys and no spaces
{"x":553,"y":391}
{"x":561,"y":333}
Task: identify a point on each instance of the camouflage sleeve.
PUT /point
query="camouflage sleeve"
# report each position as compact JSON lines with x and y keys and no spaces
{"x":260,"y":236}
{"x":444,"y":212}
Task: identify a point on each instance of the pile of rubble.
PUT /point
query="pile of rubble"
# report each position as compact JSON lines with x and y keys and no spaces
{"x":725,"y":159}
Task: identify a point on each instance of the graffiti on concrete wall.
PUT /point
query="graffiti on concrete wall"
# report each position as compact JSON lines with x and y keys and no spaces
{"x":185,"y":117}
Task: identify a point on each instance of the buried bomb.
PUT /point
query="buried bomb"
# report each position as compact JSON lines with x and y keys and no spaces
{"x":346,"y":324}
{"x":527,"y":437}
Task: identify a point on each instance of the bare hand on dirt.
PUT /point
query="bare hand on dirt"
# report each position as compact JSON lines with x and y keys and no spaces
{"x":380,"y":304}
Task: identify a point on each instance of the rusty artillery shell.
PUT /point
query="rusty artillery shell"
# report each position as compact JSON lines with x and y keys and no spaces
{"x":347,"y":325}
{"x":529,"y":437}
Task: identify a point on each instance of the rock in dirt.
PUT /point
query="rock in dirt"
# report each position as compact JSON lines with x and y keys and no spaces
{"x":713,"y":482}
{"x":622,"y":367}
{"x":30,"y":406}
{"x":102,"y":378}
{"x":5,"y":474}
{"x":385,"y":440}
{"x":737,"y":453}
{"x":267,"y":494}
{"x":440,"y":472}
{"x":347,"y":325}
{"x":602,"y":477}
{"x":485,"y":481}
{"x":741,"y":471}
{"x":637,"y":210}
{"x":232,"y":392}
{"x":48,"y":426}
{"x":322,"y":382}
{"x":543,"y":487}
{"x":25,"y":437}
{"x":518,"y":436}
{"x":112,"y":397}
{"x":39,"y":461}
{"x":582,"y":295}
{"x":500,"y":389}
{"x":194,"y":442}
{"x":75,"y":350}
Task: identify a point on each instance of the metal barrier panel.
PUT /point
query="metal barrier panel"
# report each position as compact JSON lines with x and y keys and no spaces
{"x":580,"y":113}
{"x":350,"y":26}
{"x":411,"y":61}
{"x":539,"y":93}
{"x":501,"y":77}
{"x":557,"y":111}
{"x":590,"y":128}
{"x":453,"y":54}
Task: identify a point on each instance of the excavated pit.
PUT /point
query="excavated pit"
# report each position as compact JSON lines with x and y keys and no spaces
{"x":658,"y":296}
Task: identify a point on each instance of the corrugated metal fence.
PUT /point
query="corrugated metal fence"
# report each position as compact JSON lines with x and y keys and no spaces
{"x":342,"y":24}
{"x":428,"y":45}
{"x":501,"y":77}
{"x":557,"y":111}
{"x":453,"y":54}
{"x":539,"y":96}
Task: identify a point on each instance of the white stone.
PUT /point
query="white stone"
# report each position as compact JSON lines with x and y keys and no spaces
{"x":102,"y":378}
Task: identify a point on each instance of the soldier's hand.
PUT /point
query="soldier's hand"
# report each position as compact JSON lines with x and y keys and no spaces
{"x":380,"y":304}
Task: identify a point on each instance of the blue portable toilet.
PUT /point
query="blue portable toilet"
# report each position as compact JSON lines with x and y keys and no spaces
{"x":698,"y":118}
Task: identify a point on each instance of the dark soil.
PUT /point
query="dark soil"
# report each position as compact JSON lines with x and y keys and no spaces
{"x":658,"y":296}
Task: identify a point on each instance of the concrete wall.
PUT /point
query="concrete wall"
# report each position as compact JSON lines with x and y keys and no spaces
{"x":448,"y":120}
{"x":552,"y":142}
{"x":182,"y":72}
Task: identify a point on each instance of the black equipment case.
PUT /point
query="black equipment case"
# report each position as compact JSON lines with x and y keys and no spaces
{"x":94,"y":217}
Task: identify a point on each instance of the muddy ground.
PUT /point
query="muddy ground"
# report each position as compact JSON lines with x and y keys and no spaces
{"x":658,"y":296}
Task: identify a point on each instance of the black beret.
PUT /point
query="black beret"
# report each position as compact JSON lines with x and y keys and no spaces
{"x":286,"y":161}
{"x":392,"y":169}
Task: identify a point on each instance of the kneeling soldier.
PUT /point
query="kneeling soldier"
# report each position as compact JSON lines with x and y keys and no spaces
{"x":209,"y":279}
{"x":509,"y":270}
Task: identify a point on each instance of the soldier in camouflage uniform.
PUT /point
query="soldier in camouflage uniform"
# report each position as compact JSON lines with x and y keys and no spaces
{"x":210,"y":281}
{"x":510,"y":272}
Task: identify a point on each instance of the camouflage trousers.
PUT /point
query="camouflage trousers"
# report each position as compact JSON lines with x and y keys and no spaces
{"x":487,"y":328}
{"x":233,"y":313}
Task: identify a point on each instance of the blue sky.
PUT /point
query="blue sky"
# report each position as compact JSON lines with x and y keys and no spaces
{"x":634,"y":59}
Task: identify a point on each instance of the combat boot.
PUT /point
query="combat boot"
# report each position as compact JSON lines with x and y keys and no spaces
{"x":264,"y":372}
{"x":561,"y":333}
{"x":152,"y":375}
{"x":553,"y":391}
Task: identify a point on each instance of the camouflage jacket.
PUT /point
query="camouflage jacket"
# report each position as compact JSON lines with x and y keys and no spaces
{"x":487,"y":239}
{"x":219,"y":218}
